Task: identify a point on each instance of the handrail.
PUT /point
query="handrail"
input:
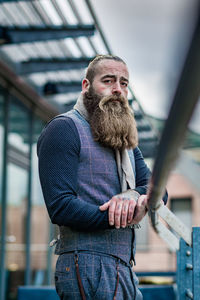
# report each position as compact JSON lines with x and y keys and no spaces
{"x":185,"y":99}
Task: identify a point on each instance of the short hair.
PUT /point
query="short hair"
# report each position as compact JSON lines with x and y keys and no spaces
{"x":91,"y":70}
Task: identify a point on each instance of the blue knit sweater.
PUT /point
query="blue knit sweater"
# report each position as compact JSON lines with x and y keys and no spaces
{"x":58,"y":153}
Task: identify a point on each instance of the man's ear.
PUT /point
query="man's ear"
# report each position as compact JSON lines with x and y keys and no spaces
{"x":85,"y":85}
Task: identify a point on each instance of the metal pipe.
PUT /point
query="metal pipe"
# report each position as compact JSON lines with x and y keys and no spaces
{"x":29,"y":205}
{"x":174,"y":222}
{"x":20,"y":89}
{"x":91,"y":10}
{"x":185,"y":99}
{"x":4,"y":198}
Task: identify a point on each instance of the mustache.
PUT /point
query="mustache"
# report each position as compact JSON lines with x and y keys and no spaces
{"x":107,"y":99}
{"x":111,"y":119}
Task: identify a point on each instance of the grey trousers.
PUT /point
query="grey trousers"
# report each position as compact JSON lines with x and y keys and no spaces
{"x":98,"y":275}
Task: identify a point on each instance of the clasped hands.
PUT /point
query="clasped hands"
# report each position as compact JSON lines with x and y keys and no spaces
{"x":125,"y":209}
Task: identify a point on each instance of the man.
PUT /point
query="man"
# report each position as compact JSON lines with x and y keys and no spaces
{"x":94,"y":181}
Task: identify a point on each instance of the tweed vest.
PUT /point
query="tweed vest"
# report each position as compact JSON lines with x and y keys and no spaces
{"x":98,"y":181}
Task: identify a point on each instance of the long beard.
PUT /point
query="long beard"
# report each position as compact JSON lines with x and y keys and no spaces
{"x":111,"y":120}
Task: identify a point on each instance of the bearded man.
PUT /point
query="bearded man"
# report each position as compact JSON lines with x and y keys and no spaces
{"x":94,"y":181}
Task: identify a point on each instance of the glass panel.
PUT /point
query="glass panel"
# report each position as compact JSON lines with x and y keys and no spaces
{"x":17,"y":199}
{"x":17,"y":183}
{"x":19,"y":127}
{"x":39,"y":217}
{"x":1,"y":167}
{"x":1,"y":138}
{"x":37,"y":197}
{"x":17,"y":194}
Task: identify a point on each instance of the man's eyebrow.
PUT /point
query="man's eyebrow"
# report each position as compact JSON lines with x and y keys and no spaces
{"x":108,"y":75}
{"x":113,"y":76}
{"x":125,"y":79}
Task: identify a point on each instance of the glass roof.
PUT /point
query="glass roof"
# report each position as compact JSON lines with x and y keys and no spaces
{"x":50,"y":43}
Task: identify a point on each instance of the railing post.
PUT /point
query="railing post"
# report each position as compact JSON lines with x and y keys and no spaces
{"x":188,"y":268}
{"x":184,"y":272}
{"x":196,"y":263}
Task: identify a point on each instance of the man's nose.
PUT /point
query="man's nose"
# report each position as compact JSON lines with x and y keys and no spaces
{"x":116,"y":89}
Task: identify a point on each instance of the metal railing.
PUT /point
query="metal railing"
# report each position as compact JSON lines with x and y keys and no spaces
{"x":185,"y":99}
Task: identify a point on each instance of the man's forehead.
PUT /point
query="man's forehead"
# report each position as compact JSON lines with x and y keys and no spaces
{"x":112,"y":67}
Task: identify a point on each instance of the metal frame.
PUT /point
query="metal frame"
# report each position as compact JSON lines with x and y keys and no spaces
{"x":51,"y":64}
{"x":29,"y":205}
{"x":26,"y":34}
{"x":185,"y":99}
{"x":2,"y":1}
{"x":21,"y":90}
{"x":188,"y":268}
{"x":52,"y":88}
{"x":89,"y":5}
{"x":4,"y":197}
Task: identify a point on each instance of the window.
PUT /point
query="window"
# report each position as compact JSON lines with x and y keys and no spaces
{"x":182,"y":208}
{"x":1,"y":139}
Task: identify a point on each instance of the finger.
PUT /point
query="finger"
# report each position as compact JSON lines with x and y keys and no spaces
{"x":117,"y":213}
{"x":111,"y":211}
{"x":104,"y":206}
{"x":131,"y":210}
{"x":142,"y":201}
{"x":141,"y":209}
{"x":124,"y":213}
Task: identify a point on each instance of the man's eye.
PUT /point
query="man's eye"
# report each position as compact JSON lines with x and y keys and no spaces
{"x":124,"y":84}
{"x":107,"y":81}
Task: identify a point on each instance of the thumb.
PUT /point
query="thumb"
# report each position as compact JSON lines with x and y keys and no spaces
{"x":104,"y":206}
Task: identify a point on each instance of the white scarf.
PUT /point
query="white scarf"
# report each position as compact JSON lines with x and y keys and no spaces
{"x":125,"y":170}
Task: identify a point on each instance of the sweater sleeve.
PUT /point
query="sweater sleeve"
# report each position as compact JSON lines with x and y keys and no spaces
{"x":58,"y":153}
{"x":143,"y":174}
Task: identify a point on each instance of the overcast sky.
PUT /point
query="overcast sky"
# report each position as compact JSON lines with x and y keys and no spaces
{"x":152,"y":36}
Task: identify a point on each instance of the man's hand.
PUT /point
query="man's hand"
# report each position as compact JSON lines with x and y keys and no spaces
{"x":126,"y":208}
{"x":140,"y":209}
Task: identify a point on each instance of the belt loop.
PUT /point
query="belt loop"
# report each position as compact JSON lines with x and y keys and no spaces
{"x":117,"y":281}
{"x":80,"y":285}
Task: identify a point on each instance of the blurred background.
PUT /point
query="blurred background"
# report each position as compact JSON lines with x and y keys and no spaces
{"x":45,"y":46}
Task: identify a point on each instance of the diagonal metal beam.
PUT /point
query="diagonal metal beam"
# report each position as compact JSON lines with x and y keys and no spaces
{"x":24,"y":34}
{"x":51,"y":88}
{"x":185,"y":99}
{"x":91,"y":10}
{"x":20,"y":89}
{"x":54,"y":64}
{"x":175,"y":223}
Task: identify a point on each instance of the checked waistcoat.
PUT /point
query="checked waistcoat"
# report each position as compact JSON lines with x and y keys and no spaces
{"x":98,"y":181}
